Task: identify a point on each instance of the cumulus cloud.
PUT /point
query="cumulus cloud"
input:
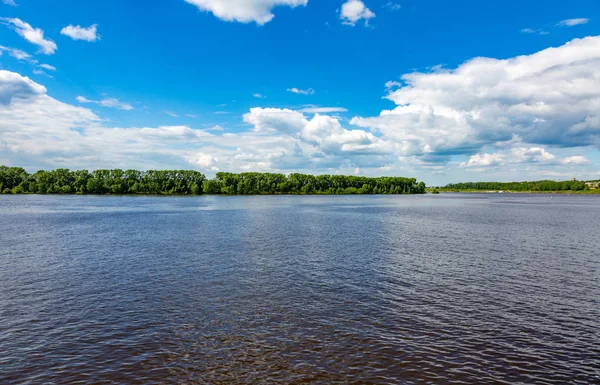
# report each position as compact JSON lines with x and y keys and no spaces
{"x":244,"y":11}
{"x":573,"y":22}
{"x":279,"y":140}
{"x":204,"y":161}
{"x":355,"y":10}
{"x":298,"y":91}
{"x":32,"y":35}
{"x":522,"y":155}
{"x":512,"y":156}
{"x":77,"y":32}
{"x":549,"y":98}
{"x":10,"y":2}
{"x":13,"y":85}
{"x":275,"y":120}
{"x":483,"y":160}
{"x":576,"y":160}
{"x":322,"y":131}
{"x":107,"y":102}
{"x":537,"y":114}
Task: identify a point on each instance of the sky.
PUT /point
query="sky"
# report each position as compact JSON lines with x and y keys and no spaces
{"x":437,"y":90}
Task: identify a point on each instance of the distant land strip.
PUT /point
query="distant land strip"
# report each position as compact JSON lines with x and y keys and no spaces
{"x":541,"y":186}
{"x":15,"y":180}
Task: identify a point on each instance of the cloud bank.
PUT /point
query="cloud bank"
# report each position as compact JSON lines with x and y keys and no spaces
{"x":549,"y":98}
{"x":537,"y":112}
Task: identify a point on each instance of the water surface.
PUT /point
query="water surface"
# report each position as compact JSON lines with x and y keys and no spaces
{"x":469,"y":288}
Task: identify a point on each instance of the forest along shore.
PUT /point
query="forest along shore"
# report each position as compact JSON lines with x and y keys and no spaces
{"x":541,"y":186}
{"x":15,"y":180}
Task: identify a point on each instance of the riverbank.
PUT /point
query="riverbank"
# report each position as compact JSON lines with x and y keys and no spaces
{"x":15,"y":180}
{"x":567,"y":192}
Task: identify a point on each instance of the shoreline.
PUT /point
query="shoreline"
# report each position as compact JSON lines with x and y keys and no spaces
{"x":583,"y":192}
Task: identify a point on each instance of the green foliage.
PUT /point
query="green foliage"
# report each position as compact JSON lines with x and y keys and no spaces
{"x":253,"y":183}
{"x":211,"y":187}
{"x":62,"y":181}
{"x":542,"y":185}
{"x":181,"y":182}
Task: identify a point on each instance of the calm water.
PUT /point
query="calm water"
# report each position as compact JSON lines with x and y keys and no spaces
{"x":374,"y":289}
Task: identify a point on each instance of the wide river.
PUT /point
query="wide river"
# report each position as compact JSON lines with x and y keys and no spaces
{"x":470,"y":288}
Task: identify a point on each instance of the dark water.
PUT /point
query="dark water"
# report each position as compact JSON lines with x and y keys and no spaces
{"x":377,"y":289}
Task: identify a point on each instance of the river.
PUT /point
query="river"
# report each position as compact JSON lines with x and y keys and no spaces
{"x":449,"y":288}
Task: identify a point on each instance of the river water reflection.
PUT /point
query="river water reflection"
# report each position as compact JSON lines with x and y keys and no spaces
{"x":288,"y":289}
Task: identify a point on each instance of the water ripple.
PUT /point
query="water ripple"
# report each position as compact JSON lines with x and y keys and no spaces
{"x":453,"y":289}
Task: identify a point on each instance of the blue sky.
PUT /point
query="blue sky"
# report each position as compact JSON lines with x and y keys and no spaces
{"x":209,"y":85}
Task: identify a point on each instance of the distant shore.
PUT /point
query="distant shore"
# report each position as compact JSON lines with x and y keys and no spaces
{"x":572,"y":186}
{"x":582,"y":192}
{"x":15,"y":180}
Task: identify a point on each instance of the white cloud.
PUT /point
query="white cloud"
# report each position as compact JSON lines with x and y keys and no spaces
{"x":77,"y":138}
{"x":40,"y":72}
{"x":244,"y":11}
{"x":576,"y":160}
{"x":521,"y":116}
{"x":535,"y":31}
{"x":322,"y":110}
{"x":573,"y":22}
{"x":32,"y":35}
{"x":204,"y":161}
{"x":522,"y":155}
{"x":549,"y":98}
{"x":295,"y":90}
{"x":24,"y":56}
{"x":392,"y":84}
{"x":259,"y":96}
{"x":19,"y":55}
{"x":563,"y":23}
{"x":484,"y":160}
{"x":275,"y":120}
{"x":10,"y":2}
{"x":355,"y":10}
{"x":48,"y":67}
{"x":514,"y":155}
{"x":13,"y":85}
{"x":171,"y":113}
{"x":107,"y":102}
{"x":80,"y":33}
{"x":322,"y":131}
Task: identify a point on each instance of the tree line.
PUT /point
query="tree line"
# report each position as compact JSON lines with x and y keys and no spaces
{"x":16,"y":180}
{"x":541,"y":185}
